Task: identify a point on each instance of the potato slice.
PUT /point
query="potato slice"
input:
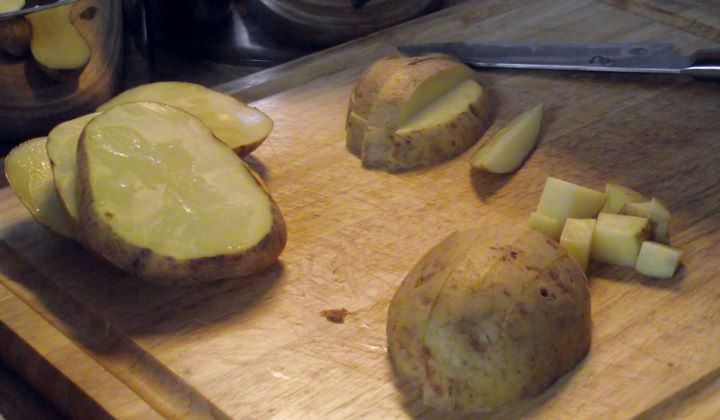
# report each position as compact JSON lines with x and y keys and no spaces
{"x":657,"y":260}
{"x":658,"y":214}
{"x":487,"y":317}
{"x":160,"y":197}
{"x":56,"y":44}
{"x":62,"y":151}
{"x":241,"y":127}
{"x":28,"y":172}
{"x":576,"y":239}
{"x":506,"y":151}
{"x":561,"y":199}
{"x":7,"y":6}
{"x":550,"y":227}
{"x":617,"y":238}
{"x":618,"y":196}
{"x":445,"y":128}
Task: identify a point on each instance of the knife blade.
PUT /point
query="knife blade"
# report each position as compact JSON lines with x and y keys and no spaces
{"x":655,"y":58}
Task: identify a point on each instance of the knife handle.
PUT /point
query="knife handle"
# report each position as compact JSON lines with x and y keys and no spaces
{"x":705,"y":64}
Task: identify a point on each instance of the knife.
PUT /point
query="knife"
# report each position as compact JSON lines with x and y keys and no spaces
{"x":33,"y":8}
{"x":617,"y":58}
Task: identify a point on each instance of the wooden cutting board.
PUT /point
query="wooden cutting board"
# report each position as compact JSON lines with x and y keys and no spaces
{"x":259,"y":348}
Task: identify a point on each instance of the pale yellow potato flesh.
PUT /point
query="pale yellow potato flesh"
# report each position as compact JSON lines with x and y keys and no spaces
{"x":617,"y":238}
{"x":56,"y":44}
{"x":658,"y":214}
{"x":561,"y":200}
{"x":618,"y":196}
{"x":27,"y":169}
{"x":507,"y":149}
{"x":160,"y":197}
{"x":475,"y":324}
{"x":658,"y":260}
{"x":62,"y":151}
{"x":7,"y":6}
{"x":550,"y":227}
{"x":355,"y":128}
{"x":241,"y":127}
{"x":576,"y":239}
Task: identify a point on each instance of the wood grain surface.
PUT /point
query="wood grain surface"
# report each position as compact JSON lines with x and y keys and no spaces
{"x":259,"y":347}
{"x":31,"y":103}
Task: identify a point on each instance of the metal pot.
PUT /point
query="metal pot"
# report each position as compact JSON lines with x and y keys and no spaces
{"x":323,"y":23}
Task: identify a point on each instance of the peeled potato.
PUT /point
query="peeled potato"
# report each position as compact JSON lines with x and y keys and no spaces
{"x":28,"y":172}
{"x":160,"y":197}
{"x":487,"y":317}
{"x":241,"y":127}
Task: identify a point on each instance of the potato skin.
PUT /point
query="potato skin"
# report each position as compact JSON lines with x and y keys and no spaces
{"x":100,"y":239}
{"x":487,"y":317}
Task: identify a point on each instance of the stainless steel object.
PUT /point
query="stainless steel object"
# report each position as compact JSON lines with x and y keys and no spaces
{"x":34,"y":7}
{"x":617,"y":58}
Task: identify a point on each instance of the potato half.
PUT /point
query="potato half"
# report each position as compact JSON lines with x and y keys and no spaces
{"x":28,"y":172}
{"x":411,"y":112}
{"x":487,"y":317}
{"x":159,"y":196}
{"x":241,"y":127}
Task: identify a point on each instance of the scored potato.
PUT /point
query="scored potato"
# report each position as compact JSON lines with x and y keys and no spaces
{"x":62,"y":150}
{"x":487,"y":317}
{"x":160,"y":197}
{"x":241,"y":127}
{"x":27,"y":169}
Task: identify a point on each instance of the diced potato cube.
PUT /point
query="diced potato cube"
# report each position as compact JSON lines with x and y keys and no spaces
{"x":657,"y":260}
{"x":617,"y":238}
{"x":561,"y":199}
{"x":658,"y":214}
{"x":576,"y":239}
{"x":618,"y":196}
{"x":547,"y":225}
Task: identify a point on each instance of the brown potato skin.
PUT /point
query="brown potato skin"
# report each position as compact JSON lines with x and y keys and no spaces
{"x":487,"y":317}
{"x":97,"y":235}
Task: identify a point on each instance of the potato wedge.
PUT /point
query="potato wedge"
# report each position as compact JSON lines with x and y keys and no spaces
{"x":241,"y":127}
{"x":62,"y":150}
{"x":27,"y":169}
{"x":508,"y":149}
{"x":160,"y":197}
{"x":487,"y":317}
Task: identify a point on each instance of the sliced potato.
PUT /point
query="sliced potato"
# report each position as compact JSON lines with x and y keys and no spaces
{"x":657,"y":260}
{"x":56,"y":44}
{"x":62,"y":151}
{"x":506,"y":151}
{"x":7,"y":6}
{"x":561,"y":200}
{"x":576,"y":239}
{"x":241,"y":127}
{"x":658,"y":214}
{"x":618,"y":196}
{"x":28,"y":172}
{"x":617,"y":238}
{"x":160,"y":197}
{"x":550,"y":227}
{"x":487,"y":317}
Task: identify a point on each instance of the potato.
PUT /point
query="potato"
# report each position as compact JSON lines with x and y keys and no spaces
{"x":487,"y":317}
{"x":562,"y":199}
{"x":508,"y":149}
{"x":576,"y":239}
{"x":160,"y":197}
{"x":617,"y":238}
{"x":657,"y":260}
{"x":241,"y":127}
{"x":7,"y":6}
{"x":656,"y":212}
{"x":618,"y":196}
{"x":411,"y":112}
{"x":28,"y":172}
{"x":62,"y":150}
{"x":56,"y":44}
{"x":548,"y":226}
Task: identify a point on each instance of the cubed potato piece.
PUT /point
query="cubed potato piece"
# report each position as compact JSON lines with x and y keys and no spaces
{"x":506,"y":151}
{"x":618,"y":196}
{"x":657,"y":260}
{"x":658,"y":214}
{"x":550,"y":227}
{"x":618,"y":237}
{"x":576,"y":239}
{"x":561,"y":200}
